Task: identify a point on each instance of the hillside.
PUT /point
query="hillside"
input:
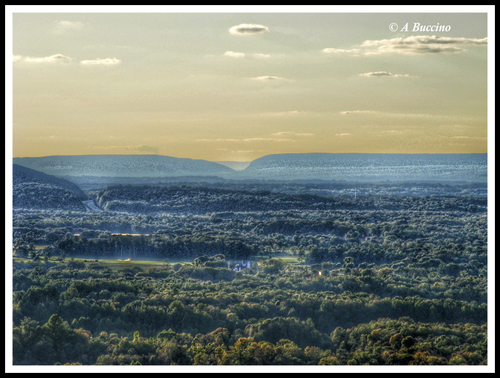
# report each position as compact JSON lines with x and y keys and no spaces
{"x":370,"y":167}
{"x":33,"y":189}
{"x":122,"y":166}
{"x":99,"y":171}
{"x":198,"y":200}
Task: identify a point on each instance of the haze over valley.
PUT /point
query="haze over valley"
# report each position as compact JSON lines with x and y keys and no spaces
{"x":317,"y":166}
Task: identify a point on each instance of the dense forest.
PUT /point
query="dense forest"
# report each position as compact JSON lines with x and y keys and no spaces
{"x":33,"y":189}
{"x":336,"y":274}
{"x":204,"y":313}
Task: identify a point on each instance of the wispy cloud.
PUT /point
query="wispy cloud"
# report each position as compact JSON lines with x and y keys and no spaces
{"x":343,"y":134}
{"x":246,"y":140}
{"x":98,"y":61}
{"x":233,"y":54}
{"x":57,"y":58}
{"x":248,"y":29}
{"x":422,"y":44}
{"x":263,"y":56}
{"x":382,"y":73}
{"x":217,"y":140}
{"x":146,"y":148}
{"x":347,"y":112}
{"x":426,"y":116}
{"x":267,"y":140}
{"x":468,"y":137}
{"x":267,"y":78}
{"x":63,"y":26}
{"x":281,"y":114}
{"x":110,"y":147}
{"x":60,"y":58}
{"x":141,"y":148}
{"x":291,"y":133}
{"x":330,"y":50}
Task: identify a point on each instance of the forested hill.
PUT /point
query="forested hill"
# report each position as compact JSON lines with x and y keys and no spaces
{"x":370,"y":167}
{"x":98,"y":171}
{"x":199,"y":200}
{"x":122,"y":166}
{"x":33,"y":189}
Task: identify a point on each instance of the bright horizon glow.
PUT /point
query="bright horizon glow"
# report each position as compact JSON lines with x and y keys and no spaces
{"x":249,"y":161}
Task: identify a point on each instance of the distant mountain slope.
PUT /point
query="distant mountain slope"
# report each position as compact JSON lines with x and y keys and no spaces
{"x":370,"y":167}
{"x":122,"y":166}
{"x":351,"y":167}
{"x":33,"y":189}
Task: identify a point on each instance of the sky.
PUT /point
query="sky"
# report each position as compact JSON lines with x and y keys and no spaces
{"x":235,"y":86}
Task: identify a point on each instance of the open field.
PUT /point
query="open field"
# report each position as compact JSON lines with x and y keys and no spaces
{"x":117,"y":263}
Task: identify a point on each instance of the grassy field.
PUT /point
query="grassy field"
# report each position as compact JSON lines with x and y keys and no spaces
{"x":115,"y":263}
{"x":111,"y":263}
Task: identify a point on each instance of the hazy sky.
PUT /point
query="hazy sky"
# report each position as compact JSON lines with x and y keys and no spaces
{"x":238,"y":86}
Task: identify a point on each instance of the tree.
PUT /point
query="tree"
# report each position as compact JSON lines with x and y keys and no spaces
{"x":408,"y":341}
{"x":348,"y":260}
{"x":58,"y":332}
{"x":21,"y":248}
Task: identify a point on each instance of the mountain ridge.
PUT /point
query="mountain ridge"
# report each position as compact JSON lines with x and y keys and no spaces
{"x":121,"y":165}
{"x":289,"y":166}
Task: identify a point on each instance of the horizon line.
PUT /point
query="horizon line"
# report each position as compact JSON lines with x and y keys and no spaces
{"x":285,"y":153}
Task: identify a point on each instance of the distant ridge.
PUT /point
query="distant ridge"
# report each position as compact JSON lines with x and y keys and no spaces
{"x":122,"y":166}
{"x":359,"y":167}
{"x":370,"y":167}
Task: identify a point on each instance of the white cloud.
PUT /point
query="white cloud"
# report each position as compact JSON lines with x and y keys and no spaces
{"x":382,"y":73}
{"x":329,"y":50}
{"x":264,"y":56}
{"x":291,"y":133}
{"x":421,"y":44}
{"x":233,"y":54}
{"x":425,"y":116}
{"x":70,"y":24}
{"x":98,"y":61}
{"x":267,"y":78}
{"x":426,"y":40}
{"x":246,"y":140}
{"x":281,"y":114}
{"x":347,"y":112}
{"x":217,"y":140}
{"x":16,"y":58}
{"x":248,"y":29}
{"x":141,"y":148}
{"x":62,"y":26}
{"x":267,"y":140}
{"x":48,"y":59}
